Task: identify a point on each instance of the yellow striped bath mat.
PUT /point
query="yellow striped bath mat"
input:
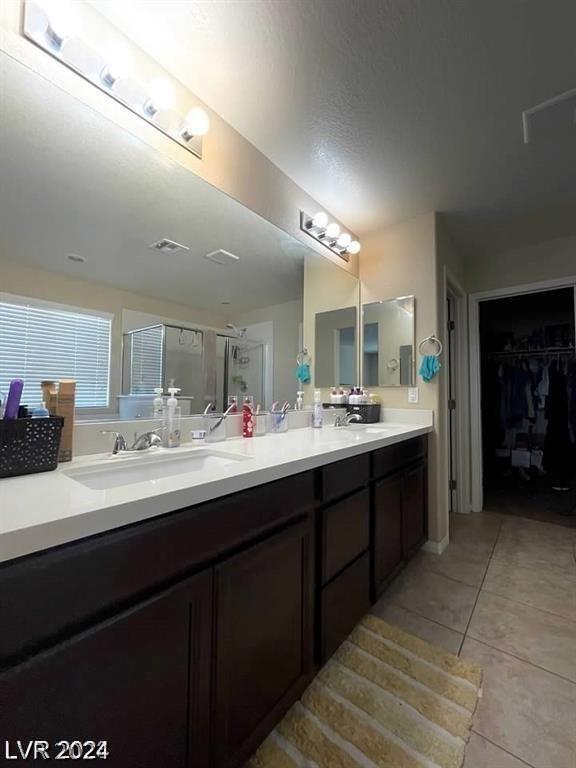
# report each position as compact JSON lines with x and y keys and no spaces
{"x":386,"y":699}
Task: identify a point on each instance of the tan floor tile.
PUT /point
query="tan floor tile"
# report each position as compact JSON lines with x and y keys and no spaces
{"x":523,"y":709}
{"x":434,"y":597}
{"x":482,"y":754}
{"x":529,"y":542}
{"x":457,"y":563}
{"x":547,"y":587}
{"x":529,"y":633}
{"x":430,"y":631}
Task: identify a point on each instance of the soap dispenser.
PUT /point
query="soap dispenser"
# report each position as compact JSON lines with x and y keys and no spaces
{"x":158,"y":403}
{"x":317,"y":414}
{"x":172,"y":419}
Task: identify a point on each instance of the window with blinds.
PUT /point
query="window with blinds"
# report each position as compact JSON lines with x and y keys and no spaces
{"x":41,"y":341}
{"x":146,"y":360}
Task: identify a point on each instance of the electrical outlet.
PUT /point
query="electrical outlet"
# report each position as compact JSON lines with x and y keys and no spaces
{"x":412,"y":394}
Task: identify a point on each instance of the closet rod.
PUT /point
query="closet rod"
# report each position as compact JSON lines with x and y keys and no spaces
{"x":535,"y":352}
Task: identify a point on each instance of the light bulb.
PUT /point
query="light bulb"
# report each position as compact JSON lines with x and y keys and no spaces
{"x":320,"y":220}
{"x":354,"y":247}
{"x":62,"y":22}
{"x":197,"y":123}
{"x":162,"y":96}
{"x":344,"y":240}
{"x":119,"y":65}
{"x":332,"y":230}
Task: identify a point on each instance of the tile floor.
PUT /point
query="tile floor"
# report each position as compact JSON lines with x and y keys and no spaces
{"x":503,"y":594}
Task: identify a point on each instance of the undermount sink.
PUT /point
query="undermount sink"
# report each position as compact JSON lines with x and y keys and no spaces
{"x":156,"y":467}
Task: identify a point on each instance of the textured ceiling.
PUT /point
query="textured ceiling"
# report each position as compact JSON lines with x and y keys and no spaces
{"x":58,"y":196}
{"x":384,"y":109}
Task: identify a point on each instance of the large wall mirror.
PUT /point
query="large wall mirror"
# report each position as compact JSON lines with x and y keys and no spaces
{"x":82,"y":204}
{"x":388,"y":343}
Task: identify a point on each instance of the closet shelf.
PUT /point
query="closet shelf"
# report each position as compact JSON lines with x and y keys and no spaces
{"x":534,"y":352}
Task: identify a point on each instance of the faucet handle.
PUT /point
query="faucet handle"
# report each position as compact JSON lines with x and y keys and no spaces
{"x":120,"y":443}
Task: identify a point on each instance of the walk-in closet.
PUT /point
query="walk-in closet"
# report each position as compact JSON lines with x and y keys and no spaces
{"x":528,"y":370}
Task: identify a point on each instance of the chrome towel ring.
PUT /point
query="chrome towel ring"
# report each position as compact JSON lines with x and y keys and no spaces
{"x":431,"y":340}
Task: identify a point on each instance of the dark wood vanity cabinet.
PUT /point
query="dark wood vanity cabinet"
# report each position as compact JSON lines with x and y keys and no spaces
{"x":263,"y":639}
{"x":140,"y":682}
{"x":182,"y":640}
{"x":399,"y":509}
{"x":387,"y":537}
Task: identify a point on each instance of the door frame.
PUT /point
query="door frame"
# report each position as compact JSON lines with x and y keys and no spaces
{"x":461,"y":458}
{"x":474,"y":300}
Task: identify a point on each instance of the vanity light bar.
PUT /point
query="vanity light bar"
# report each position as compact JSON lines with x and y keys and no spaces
{"x":55,"y":28}
{"x":329,"y":234}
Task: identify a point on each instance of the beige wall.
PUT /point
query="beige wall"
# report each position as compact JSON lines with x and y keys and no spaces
{"x":400,"y":261}
{"x":49,"y":286}
{"x":286,"y":321}
{"x":544,"y":261}
{"x":230,"y":162}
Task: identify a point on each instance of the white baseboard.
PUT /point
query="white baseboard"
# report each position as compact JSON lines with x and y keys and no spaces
{"x":437,"y":547}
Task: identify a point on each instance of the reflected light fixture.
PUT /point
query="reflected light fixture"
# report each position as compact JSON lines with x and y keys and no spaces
{"x":329,"y":234}
{"x":78,"y":36}
{"x":119,"y":65}
{"x":162,"y":96}
{"x":197,"y":123}
{"x":63,"y":22}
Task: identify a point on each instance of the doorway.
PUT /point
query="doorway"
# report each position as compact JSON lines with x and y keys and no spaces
{"x":527,"y":373}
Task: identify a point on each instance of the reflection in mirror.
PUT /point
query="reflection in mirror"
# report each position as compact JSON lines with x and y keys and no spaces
{"x":336,"y":349}
{"x":388,"y":343}
{"x":86,"y":201}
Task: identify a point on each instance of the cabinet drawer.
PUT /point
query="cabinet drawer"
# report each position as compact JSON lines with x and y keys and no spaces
{"x":344,"y":601}
{"x":346,"y":476}
{"x":46,"y":596}
{"x":345,"y":533}
{"x":388,"y":460}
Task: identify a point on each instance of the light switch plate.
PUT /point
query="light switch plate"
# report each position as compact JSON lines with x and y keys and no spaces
{"x":412,"y":394}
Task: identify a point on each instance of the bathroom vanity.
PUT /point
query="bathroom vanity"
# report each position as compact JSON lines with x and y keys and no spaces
{"x":180,"y":639}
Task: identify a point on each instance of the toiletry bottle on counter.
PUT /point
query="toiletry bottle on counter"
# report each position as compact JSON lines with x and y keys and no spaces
{"x":317,"y":415}
{"x":248,"y":416}
{"x":41,"y":412}
{"x":299,"y":401}
{"x":172,"y":419}
{"x":158,"y":403}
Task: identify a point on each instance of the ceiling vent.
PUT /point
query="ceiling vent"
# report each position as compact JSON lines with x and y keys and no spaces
{"x":168,"y":246}
{"x":222,"y":257}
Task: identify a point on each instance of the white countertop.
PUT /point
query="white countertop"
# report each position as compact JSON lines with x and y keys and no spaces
{"x":44,"y":510}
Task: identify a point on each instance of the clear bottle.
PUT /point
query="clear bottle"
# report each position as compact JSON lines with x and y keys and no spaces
{"x":299,"y":401}
{"x":172,"y":419}
{"x":317,"y":413}
{"x":158,"y":403}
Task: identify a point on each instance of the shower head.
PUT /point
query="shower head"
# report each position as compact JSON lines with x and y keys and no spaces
{"x":240,"y":332}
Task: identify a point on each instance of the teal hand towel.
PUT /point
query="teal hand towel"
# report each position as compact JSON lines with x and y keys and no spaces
{"x":303,"y":373}
{"x":429,"y":367}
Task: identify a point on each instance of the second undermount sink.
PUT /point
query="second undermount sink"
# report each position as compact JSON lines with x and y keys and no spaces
{"x":151,"y":467}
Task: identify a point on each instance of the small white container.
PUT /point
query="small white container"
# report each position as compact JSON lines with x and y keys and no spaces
{"x":261,"y":423}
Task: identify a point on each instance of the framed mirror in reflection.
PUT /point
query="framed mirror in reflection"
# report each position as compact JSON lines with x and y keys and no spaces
{"x":84,"y":208}
{"x":336,"y":347}
{"x":388,"y":343}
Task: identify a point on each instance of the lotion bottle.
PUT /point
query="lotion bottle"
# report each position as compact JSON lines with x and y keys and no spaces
{"x":317,"y":414}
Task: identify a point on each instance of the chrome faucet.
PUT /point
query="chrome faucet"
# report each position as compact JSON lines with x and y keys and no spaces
{"x":141,"y":442}
{"x":345,"y":421}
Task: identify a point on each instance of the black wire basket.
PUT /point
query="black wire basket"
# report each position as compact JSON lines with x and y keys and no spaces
{"x":370,"y":412}
{"x":29,"y":445}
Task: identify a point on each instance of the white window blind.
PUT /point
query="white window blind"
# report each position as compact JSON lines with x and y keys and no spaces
{"x":40,"y":341}
{"x":146,"y":360}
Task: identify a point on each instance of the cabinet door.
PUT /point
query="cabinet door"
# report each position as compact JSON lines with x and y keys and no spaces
{"x":140,"y":682}
{"x":264,"y":639}
{"x":413,"y":509}
{"x":387,"y":554}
